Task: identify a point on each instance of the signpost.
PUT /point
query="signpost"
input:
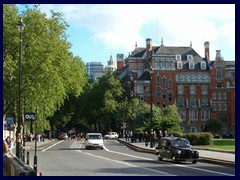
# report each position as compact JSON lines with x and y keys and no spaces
{"x":30,"y":116}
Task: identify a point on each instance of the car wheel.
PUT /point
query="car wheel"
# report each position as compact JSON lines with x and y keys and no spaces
{"x":159,"y":157}
{"x":194,"y":161}
{"x":174,"y":159}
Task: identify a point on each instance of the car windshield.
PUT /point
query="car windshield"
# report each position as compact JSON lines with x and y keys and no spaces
{"x":95,"y":137}
{"x":180,"y":143}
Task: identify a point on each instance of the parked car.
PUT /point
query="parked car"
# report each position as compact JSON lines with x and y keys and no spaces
{"x":177,"y":149}
{"x":227,"y":136}
{"x":111,"y":135}
{"x":63,"y":136}
{"x":93,"y":140}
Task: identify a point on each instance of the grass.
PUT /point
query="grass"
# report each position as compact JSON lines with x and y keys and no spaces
{"x":220,"y":144}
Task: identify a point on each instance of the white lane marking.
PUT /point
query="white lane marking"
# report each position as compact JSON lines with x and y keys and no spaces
{"x":199,"y":169}
{"x":129,"y":164}
{"x":138,"y":157}
{"x":52,"y":146}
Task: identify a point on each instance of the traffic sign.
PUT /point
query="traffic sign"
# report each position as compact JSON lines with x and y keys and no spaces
{"x":10,"y":120}
{"x":30,"y":116}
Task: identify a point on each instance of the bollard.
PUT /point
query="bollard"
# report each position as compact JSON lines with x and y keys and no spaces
{"x":27,"y":158}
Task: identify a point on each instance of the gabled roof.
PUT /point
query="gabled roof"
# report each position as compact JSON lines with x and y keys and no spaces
{"x":144,"y":76}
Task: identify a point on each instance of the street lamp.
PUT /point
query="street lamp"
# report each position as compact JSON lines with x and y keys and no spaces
{"x":20,"y":27}
{"x":10,"y":79}
{"x":151,"y":113}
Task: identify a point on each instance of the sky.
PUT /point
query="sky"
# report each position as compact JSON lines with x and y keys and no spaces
{"x":98,"y":31}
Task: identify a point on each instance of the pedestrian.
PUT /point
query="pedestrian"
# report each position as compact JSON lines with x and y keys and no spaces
{"x":5,"y":150}
{"x":154,"y":138}
{"x":9,"y":142}
{"x":146,"y":138}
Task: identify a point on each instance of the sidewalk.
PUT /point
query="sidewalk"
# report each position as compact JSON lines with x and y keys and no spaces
{"x":205,"y":155}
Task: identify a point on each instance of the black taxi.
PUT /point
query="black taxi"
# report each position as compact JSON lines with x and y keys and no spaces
{"x":177,"y":149}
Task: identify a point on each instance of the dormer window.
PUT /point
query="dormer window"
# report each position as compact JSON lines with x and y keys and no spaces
{"x":179,"y":65}
{"x":189,"y":57}
{"x":203,"y":65}
{"x":191,"y":65}
{"x":178,"y":57}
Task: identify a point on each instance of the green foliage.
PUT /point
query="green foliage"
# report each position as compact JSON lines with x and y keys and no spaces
{"x":199,"y":138}
{"x":213,"y":126}
{"x":49,"y":70}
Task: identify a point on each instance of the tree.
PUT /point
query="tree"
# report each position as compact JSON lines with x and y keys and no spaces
{"x":50,"y":73}
{"x":213,"y":126}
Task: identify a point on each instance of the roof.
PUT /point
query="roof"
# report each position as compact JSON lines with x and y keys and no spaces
{"x":145,"y":76}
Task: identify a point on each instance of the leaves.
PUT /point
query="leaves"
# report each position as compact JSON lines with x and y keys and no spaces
{"x":49,"y":70}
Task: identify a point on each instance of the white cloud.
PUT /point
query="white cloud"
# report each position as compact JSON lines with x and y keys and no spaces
{"x":119,"y":26}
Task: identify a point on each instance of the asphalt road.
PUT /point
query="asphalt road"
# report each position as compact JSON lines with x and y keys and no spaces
{"x":70,"y":158}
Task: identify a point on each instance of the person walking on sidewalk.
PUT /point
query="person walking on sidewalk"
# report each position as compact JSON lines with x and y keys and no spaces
{"x":146,"y":138}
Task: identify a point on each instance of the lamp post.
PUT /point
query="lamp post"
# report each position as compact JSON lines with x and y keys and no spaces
{"x":20,"y":27}
{"x":151,"y":111}
{"x":10,"y":79}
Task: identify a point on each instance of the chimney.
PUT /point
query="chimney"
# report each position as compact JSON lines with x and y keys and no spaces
{"x":206,"y":48}
{"x":120,"y":62}
{"x":218,"y":54}
{"x":148,"y":46}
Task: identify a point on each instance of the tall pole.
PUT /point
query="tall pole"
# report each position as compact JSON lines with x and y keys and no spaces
{"x":18,"y":134}
{"x":35,"y":153}
{"x":151,"y":113}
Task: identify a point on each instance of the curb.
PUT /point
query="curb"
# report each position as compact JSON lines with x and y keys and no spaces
{"x":201,"y":159}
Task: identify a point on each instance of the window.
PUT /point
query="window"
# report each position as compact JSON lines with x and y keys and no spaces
{"x":193,"y":114}
{"x":164,"y":81}
{"x":140,"y":89}
{"x":158,"y":79}
{"x":190,"y":57}
{"x":204,"y":89}
{"x":219,"y":73}
{"x":227,"y":75}
{"x":158,"y":104}
{"x":205,"y":114}
{"x":192,"y":101}
{"x":178,"y":57}
{"x":214,"y":106}
{"x":179,"y":65}
{"x":214,"y":95}
{"x":180,"y":89}
{"x":227,"y":84}
{"x":158,"y":92}
{"x":180,"y":101}
{"x":183,"y":114}
{"x":204,"y":101}
{"x":192,"y":90}
{"x":224,"y":106}
{"x":224,"y":95}
{"x":193,"y":129}
{"x":191,"y":65}
{"x":219,"y":84}
{"x":219,"y":106}
{"x":219,"y":96}
{"x":164,"y":94}
{"x":170,"y":96}
{"x":203,"y":65}
{"x":170,"y":83}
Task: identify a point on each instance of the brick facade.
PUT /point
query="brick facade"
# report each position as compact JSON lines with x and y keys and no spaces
{"x":200,"y":88}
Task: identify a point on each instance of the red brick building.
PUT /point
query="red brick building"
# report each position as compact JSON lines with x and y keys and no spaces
{"x":200,"y":88}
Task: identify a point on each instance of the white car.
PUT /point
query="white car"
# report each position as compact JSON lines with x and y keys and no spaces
{"x":111,"y":135}
{"x":93,"y":140}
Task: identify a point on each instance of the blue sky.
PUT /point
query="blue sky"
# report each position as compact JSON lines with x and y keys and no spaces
{"x":98,"y":31}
